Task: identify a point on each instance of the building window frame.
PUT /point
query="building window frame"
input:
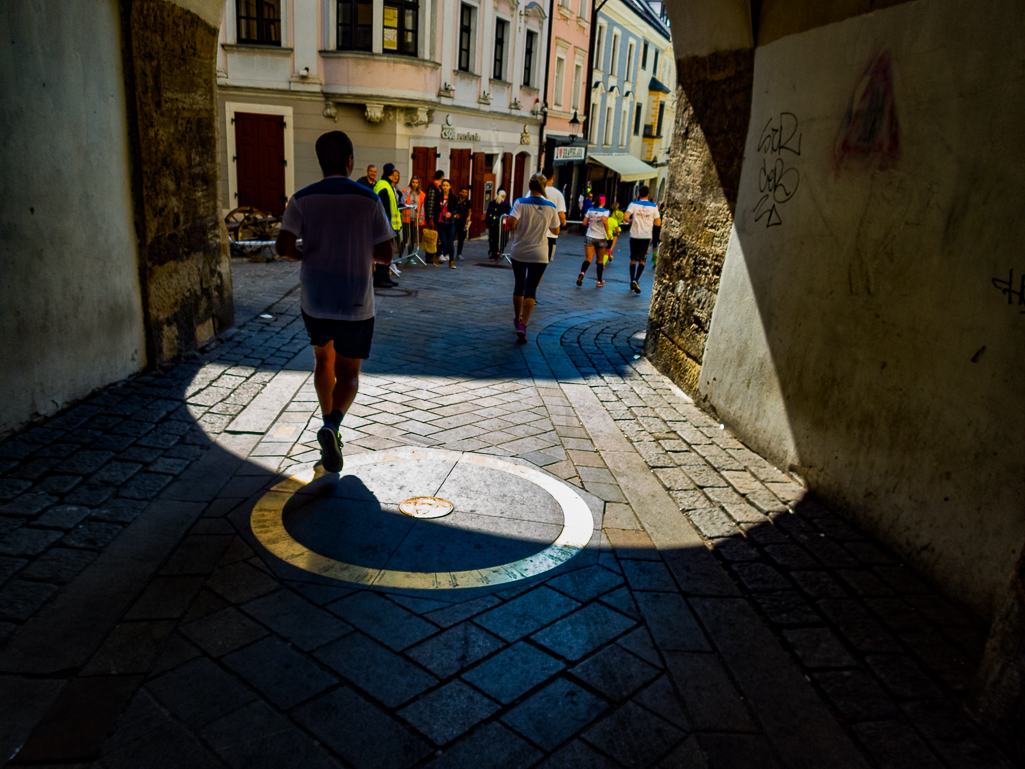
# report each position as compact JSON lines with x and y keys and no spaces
{"x":467,"y":35}
{"x":624,"y":126}
{"x":593,"y":124}
{"x":637,"y":120}
{"x":599,"y":48}
{"x":407,"y":27}
{"x":644,"y":55}
{"x":267,"y":29}
{"x":614,"y":54}
{"x":631,"y":49}
{"x":560,"y":81}
{"x":529,"y":51}
{"x":654,"y":64}
{"x":607,"y":137}
{"x":353,"y":34}
{"x":661,"y":117}
{"x":578,"y":81}
{"x":502,"y":27}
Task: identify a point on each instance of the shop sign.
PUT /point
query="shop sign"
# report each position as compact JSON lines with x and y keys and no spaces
{"x":448,"y":132}
{"x":565,"y":153}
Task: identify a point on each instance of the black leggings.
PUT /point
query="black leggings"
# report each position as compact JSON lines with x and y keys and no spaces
{"x":528,"y":275}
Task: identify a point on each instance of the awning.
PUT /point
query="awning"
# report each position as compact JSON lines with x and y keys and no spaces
{"x":656,"y":85}
{"x":629,"y":168}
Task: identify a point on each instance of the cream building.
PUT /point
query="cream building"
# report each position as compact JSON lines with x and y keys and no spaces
{"x":422,"y":84}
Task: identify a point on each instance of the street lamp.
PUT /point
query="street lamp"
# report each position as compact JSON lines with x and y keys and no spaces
{"x":574,"y":127}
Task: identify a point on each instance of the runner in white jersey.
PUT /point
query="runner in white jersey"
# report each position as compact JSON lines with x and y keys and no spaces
{"x":553,"y":194}
{"x":596,"y":241}
{"x":531,"y":219}
{"x":643,"y":216}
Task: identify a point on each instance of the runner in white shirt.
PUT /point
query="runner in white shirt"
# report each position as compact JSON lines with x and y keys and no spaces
{"x":553,"y":194}
{"x":642,"y":215}
{"x":531,"y":219}
{"x":596,"y":240}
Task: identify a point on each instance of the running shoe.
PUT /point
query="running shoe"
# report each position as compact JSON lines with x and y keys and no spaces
{"x":330,"y":449}
{"x":599,"y":284}
{"x":452,"y":265}
{"x":580,"y":279}
{"x":634,"y":287}
{"x":521,"y":332}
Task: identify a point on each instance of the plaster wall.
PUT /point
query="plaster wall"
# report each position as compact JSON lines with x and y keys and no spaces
{"x":71,"y":313}
{"x":861,"y":334}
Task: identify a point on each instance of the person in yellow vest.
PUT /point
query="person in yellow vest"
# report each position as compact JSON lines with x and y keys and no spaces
{"x":385,"y":189}
{"x":612,"y":227}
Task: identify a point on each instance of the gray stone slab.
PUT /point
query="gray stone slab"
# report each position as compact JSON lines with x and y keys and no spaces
{"x":455,"y":649}
{"x":23,"y":701}
{"x":492,"y":745}
{"x":526,"y":613}
{"x":263,"y":410}
{"x":448,"y":712}
{"x":296,"y":619}
{"x":280,"y":673}
{"x":384,"y":675}
{"x":378,"y":617}
{"x":199,"y":692}
{"x":634,"y":736}
{"x":615,"y":673}
{"x":513,"y":672}
{"x":583,"y":631}
{"x":576,"y":708}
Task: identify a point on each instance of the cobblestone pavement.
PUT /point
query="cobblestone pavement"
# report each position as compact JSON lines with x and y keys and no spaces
{"x":721,"y":619}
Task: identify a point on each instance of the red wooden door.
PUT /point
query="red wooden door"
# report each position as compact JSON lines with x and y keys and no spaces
{"x":425,"y":162}
{"x":480,"y":170}
{"x":260,"y":161}
{"x":507,"y":170}
{"x":521,"y":167}
{"x":459,"y":170}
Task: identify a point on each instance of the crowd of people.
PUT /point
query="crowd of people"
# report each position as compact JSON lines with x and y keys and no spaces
{"x":352,"y":232}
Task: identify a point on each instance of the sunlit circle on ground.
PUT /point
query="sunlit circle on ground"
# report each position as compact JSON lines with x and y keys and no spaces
{"x":426,"y":507}
{"x":559,"y":531}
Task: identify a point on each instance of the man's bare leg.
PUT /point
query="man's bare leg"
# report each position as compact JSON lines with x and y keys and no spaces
{"x":336,"y":380}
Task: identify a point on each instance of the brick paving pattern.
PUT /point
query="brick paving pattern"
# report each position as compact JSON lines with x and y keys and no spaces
{"x":725,"y":619}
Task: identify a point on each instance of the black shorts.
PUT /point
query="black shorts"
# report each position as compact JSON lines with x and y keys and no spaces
{"x":639,"y":249}
{"x":352,"y":338}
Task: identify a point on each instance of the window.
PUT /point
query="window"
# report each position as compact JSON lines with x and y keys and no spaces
{"x":629,"y":62}
{"x":614,"y":56}
{"x":599,"y":48}
{"x":259,"y":22}
{"x":608,"y":126}
{"x":501,"y":31}
{"x":661,"y":114}
{"x":578,"y":76}
{"x":644,"y":55}
{"x":624,"y":127}
{"x":528,"y":59}
{"x":654,"y":65}
{"x":401,"y":18}
{"x":355,"y":25}
{"x":582,"y":12}
{"x":637,"y":120}
{"x":592,"y":125}
{"x":465,"y":36}
{"x":560,"y":81}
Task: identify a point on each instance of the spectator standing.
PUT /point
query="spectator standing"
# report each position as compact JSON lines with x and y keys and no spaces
{"x":431,"y":207}
{"x":370,"y":179}
{"x":643,"y":216}
{"x":345,"y":232}
{"x":531,"y":219}
{"x":385,"y":189}
{"x":446,"y":228}
{"x":461,"y":214}
{"x":497,"y":208}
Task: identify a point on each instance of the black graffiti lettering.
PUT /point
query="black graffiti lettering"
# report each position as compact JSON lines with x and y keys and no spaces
{"x":776,"y":182}
{"x":1007,"y":288}
{"x":788,"y":120}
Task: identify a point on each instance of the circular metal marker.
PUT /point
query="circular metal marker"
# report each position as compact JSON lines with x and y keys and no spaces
{"x":426,"y":507}
{"x":577,"y":529}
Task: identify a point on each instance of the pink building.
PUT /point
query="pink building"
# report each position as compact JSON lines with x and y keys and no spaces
{"x":564,"y":148}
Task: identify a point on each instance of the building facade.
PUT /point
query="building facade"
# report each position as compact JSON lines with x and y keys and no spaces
{"x":632,"y":102}
{"x":422,"y":84}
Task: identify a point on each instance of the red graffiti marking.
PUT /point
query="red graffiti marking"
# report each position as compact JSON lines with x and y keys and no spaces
{"x":870,"y":134}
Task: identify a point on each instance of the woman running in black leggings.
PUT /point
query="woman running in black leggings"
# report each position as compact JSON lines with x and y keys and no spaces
{"x":531,"y":219}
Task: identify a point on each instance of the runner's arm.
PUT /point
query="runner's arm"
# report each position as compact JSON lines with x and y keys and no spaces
{"x":511,"y":222}
{"x":383,"y":252}
{"x":285,"y":246}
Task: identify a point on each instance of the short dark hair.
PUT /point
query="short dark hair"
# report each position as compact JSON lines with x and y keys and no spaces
{"x":549,"y":172}
{"x":371,"y":166}
{"x":644,"y":191}
{"x":439,"y":175}
{"x":464,"y":187}
{"x":334,"y":150}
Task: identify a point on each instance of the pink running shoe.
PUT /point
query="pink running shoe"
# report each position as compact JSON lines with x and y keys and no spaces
{"x":521,"y":332}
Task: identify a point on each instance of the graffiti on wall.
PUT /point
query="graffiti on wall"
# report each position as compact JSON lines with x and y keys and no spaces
{"x":779,"y":143}
{"x":1006,"y":287}
{"x":870,"y":132}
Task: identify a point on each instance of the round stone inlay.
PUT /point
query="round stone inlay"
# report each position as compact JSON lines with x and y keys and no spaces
{"x":426,"y":507}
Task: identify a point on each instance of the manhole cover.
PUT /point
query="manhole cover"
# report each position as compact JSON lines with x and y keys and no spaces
{"x":398,"y":293}
{"x":426,"y":507}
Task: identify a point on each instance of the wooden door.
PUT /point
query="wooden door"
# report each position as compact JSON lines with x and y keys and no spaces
{"x":481,"y":173}
{"x":459,"y":170}
{"x":521,"y":168}
{"x":425,"y":162}
{"x":260,"y":161}
{"x":507,"y":178}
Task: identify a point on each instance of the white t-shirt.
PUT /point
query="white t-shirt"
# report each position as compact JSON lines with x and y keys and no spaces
{"x":534,"y":216}
{"x":643,"y":214}
{"x":340,"y":222}
{"x":560,"y":204}
{"x":595,"y":225}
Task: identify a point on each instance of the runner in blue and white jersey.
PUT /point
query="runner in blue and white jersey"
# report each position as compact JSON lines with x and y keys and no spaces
{"x":532,"y":219}
{"x":596,"y":241}
{"x":643,"y":216}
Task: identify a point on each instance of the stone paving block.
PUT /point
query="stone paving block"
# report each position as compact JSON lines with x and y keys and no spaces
{"x":240,"y":582}
{"x":513,"y":672}
{"x":223,"y":631}
{"x":818,"y":648}
{"x":856,"y":695}
{"x":199,"y":692}
{"x":197,"y":555}
{"x":956,"y":739}
{"x":92,"y":535}
{"x":576,"y":708}
{"x":858,"y":627}
{"x":131,"y":647}
{"x":20,"y":599}
{"x":455,"y":649}
{"x":119,"y":511}
{"x":28,"y":542}
{"x":607,"y":492}
{"x":165,"y":598}
{"x":902,"y":677}
{"x":661,"y":699}
{"x":712,"y":522}
{"x":787,"y":609}
{"x":456,"y":613}
{"x":9,"y":567}
{"x":634,"y":736}
{"x":59,"y":484}
{"x":526,"y":613}
{"x":818,"y":584}
{"x":894,"y":745}
{"x":585,"y":584}
{"x":712,"y":701}
{"x":674,"y":478}
{"x":743,"y":751}
{"x":632,"y":543}
{"x":760,"y":577}
{"x":384,"y":675}
{"x":378,"y":617}
{"x":615,"y":673}
{"x":63,"y":517}
{"x":28,"y":505}
{"x":12,"y":487}
{"x":583,"y":631}
{"x":646,"y":575}
{"x":279,"y":673}
{"x":296,"y":619}
{"x":492,"y":745}
{"x":86,"y":462}
{"x":360,"y":732}
{"x":671,"y":622}
{"x":448,"y":712}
